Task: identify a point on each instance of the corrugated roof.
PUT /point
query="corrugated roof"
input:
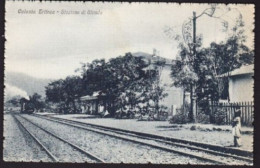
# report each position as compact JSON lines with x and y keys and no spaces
{"x":246,"y":69}
{"x":93,"y":96}
{"x":88,"y":98}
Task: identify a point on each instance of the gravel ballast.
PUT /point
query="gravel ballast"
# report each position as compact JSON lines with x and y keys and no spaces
{"x":164,"y":128}
{"x":63,"y":151}
{"x":18,"y":145}
{"x":222,"y":159}
{"x":113,"y":150}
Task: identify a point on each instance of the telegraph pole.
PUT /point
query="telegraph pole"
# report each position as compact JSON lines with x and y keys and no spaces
{"x":192,"y":109}
{"x":194,"y":34}
{"x":193,"y":86}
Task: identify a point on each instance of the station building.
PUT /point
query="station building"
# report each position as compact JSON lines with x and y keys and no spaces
{"x":241,"y":84}
{"x":96,"y":103}
{"x":93,"y":104}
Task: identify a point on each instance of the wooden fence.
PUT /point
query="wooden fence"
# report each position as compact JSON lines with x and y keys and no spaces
{"x":247,"y":111}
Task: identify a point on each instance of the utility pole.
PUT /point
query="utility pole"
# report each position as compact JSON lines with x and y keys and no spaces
{"x":194,"y":34}
{"x":194,"y":57}
{"x":192,"y":109}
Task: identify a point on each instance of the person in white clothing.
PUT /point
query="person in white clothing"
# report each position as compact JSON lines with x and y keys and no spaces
{"x":236,"y":128}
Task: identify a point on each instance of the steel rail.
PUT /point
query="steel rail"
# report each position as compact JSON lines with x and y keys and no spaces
{"x":90,"y":155}
{"x":179,"y":144}
{"x":36,"y":140}
{"x":202,"y":158}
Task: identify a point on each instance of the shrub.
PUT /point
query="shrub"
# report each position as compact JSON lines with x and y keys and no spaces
{"x":193,"y":128}
{"x":182,"y":116}
{"x":179,"y":119}
{"x":203,"y":118}
{"x":219,"y":116}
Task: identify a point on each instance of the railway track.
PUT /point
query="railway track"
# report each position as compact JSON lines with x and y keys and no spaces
{"x":197,"y":151}
{"x":24,"y":129}
{"x":87,"y":155}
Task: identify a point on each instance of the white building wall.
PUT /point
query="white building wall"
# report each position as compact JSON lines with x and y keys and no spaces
{"x":175,"y":95}
{"x":241,"y":88}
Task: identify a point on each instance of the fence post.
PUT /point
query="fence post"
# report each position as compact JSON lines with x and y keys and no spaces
{"x":242,"y":112}
{"x":252,"y":113}
{"x":247,"y":113}
{"x":211,"y":105}
{"x":230,"y":114}
{"x":196,"y":108}
{"x":226,"y":114}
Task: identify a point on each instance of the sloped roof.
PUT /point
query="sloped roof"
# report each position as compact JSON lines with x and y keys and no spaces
{"x":246,"y":69}
{"x":150,"y":67}
{"x":88,"y":98}
{"x":94,"y":96}
{"x":153,"y":58}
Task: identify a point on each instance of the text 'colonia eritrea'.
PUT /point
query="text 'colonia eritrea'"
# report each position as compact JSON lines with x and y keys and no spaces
{"x":62,"y":12}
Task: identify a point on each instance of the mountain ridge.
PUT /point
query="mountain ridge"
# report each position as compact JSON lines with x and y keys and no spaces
{"x":27,"y":83}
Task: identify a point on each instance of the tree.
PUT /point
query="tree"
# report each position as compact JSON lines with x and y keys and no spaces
{"x":54,"y":91}
{"x":184,"y":75}
{"x":65,"y":92}
{"x":118,"y":76}
{"x":36,"y":99}
{"x":72,"y":86}
{"x":15,"y":101}
{"x":94,"y":76}
{"x":229,"y":55}
{"x":199,"y":67}
{"x":123,"y":79}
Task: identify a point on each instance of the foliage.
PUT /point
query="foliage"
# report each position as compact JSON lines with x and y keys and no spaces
{"x":54,"y":91}
{"x":184,"y":71}
{"x":125,"y":80}
{"x":203,"y":118}
{"x":65,"y":92}
{"x":182,"y":116}
{"x":218,"y":116}
{"x":200,"y":67}
{"x":14,"y":101}
{"x":119,"y":79}
{"x":36,"y":99}
{"x":183,"y":75}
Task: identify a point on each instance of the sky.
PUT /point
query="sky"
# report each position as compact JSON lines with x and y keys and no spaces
{"x":53,"y":45}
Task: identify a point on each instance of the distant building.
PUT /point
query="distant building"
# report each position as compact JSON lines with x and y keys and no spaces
{"x":241,"y":84}
{"x":174,"y":99}
{"x":175,"y":95}
{"x":93,"y":104}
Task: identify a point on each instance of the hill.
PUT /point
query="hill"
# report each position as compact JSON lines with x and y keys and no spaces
{"x":25,"y":84}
